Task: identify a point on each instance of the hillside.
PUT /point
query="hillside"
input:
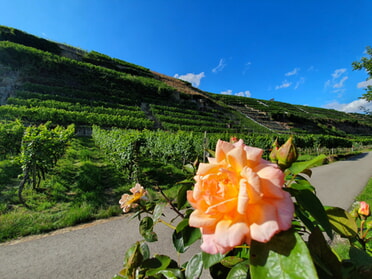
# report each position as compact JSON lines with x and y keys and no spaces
{"x":42,"y":80}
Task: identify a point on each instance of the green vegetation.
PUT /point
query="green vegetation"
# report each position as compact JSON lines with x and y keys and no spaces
{"x":366,"y":64}
{"x":366,"y":194}
{"x":145,"y":129}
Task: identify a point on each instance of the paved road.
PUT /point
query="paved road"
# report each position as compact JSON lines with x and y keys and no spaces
{"x":96,"y":250}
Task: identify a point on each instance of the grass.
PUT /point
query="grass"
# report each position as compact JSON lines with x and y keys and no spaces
{"x":366,"y":194}
{"x":342,"y":246}
{"x":83,"y":187}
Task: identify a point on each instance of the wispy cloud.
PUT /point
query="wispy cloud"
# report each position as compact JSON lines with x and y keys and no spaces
{"x":247,"y":66}
{"x":337,"y":73}
{"x":222,"y":64}
{"x":358,"y":106}
{"x":299,"y":82}
{"x":365,"y":83}
{"x":337,"y":81}
{"x":191,"y":77}
{"x":285,"y":84}
{"x":246,"y":93}
{"x":294,"y":72}
{"x":340,"y":83}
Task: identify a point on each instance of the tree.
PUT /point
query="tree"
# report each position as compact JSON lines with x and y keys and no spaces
{"x":366,"y":64}
{"x":41,"y":148}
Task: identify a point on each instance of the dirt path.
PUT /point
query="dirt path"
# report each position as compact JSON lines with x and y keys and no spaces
{"x":96,"y":250}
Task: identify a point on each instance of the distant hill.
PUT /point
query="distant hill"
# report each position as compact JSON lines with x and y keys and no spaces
{"x":41,"y":80}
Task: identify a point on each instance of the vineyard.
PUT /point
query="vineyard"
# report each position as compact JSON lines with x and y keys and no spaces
{"x":138,"y":126}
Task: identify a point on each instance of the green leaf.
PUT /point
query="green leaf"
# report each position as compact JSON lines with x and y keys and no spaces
{"x":168,"y":274}
{"x":183,"y":224}
{"x":145,"y":251}
{"x":360,"y":257}
{"x":231,"y":261}
{"x":284,"y":256}
{"x":181,"y":195}
{"x":211,"y":259}
{"x":240,"y":271}
{"x":156,"y":264}
{"x":310,"y":202}
{"x":132,"y":259}
{"x":299,"y":167}
{"x":301,"y":184}
{"x":342,"y":222}
{"x":146,"y":229}
{"x":194,"y":267}
{"x":184,"y":236}
{"x":189,"y":168}
{"x":158,"y":211}
{"x":323,"y":256}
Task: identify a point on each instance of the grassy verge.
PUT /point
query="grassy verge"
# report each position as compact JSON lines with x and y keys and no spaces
{"x":341,"y":247}
{"x":83,"y":187}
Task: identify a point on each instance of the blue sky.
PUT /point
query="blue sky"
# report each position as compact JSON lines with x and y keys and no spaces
{"x":298,"y":52}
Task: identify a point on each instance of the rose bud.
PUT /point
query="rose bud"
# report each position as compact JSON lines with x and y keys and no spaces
{"x":287,"y":154}
{"x":364,"y":209}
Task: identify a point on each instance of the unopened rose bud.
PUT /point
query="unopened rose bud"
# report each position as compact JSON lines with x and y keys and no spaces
{"x":287,"y":154}
{"x":233,"y":139}
{"x":274,"y":150}
{"x":364,"y":209}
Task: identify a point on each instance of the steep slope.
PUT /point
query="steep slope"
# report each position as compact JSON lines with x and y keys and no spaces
{"x":42,"y":80}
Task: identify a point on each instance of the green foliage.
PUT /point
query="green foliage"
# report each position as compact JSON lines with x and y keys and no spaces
{"x":366,"y":64}
{"x":42,"y":147}
{"x":10,"y":138}
{"x":17,"y":36}
{"x":288,"y":254}
{"x":284,"y":256}
{"x":81,"y":187}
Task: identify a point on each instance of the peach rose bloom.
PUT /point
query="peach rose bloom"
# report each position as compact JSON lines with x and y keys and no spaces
{"x":238,"y":197}
{"x":127,"y":202}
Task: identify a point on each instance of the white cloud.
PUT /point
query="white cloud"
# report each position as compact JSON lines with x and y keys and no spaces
{"x":354,"y":106}
{"x":365,"y":83}
{"x":227,"y":92}
{"x":337,"y":73}
{"x":340,"y":84}
{"x":294,"y":72}
{"x":246,"y":93}
{"x":298,"y":83}
{"x":337,"y":80}
{"x":191,"y":77}
{"x":284,"y":84}
{"x":222,"y":64}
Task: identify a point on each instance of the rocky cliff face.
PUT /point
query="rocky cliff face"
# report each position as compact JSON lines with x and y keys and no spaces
{"x":8,"y":81}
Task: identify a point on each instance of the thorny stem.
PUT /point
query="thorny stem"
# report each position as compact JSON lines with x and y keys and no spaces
{"x":170,"y":202}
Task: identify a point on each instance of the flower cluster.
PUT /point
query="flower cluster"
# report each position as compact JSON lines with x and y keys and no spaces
{"x":238,"y":197}
{"x":127,"y":202}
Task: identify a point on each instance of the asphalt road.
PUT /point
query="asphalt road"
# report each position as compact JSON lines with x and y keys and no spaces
{"x":96,"y":250}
